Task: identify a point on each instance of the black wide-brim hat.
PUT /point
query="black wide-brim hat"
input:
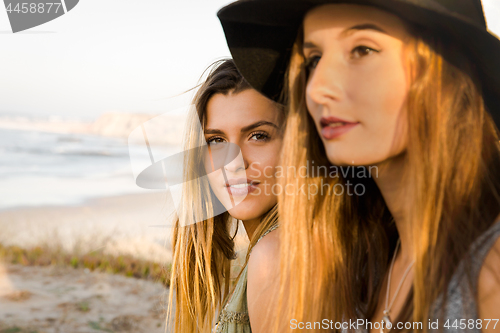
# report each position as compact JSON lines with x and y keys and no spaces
{"x":260,"y":35}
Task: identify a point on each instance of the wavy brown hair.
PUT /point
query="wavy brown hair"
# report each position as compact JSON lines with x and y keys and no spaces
{"x":203,"y":251}
{"x":335,"y":249}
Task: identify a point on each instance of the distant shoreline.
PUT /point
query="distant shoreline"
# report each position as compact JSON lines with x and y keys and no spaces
{"x":132,"y":224}
{"x":163,"y":129}
{"x":90,"y":201}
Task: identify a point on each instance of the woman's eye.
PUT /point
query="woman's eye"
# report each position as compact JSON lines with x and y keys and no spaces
{"x":361,"y":51}
{"x":312,"y":62}
{"x":259,"y":136}
{"x":214,"y":141}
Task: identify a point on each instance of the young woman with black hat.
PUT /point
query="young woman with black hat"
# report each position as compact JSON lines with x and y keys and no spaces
{"x":237,"y":148}
{"x":411,"y":87}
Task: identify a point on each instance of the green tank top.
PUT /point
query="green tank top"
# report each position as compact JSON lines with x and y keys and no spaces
{"x":234,"y":316}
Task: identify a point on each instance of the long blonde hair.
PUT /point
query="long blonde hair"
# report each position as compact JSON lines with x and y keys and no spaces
{"x":335,"y":249}
{"x":202,"y":252}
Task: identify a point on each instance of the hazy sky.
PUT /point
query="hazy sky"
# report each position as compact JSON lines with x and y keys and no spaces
{"x":117,"y":55}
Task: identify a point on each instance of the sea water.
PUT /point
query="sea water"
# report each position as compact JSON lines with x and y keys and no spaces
{"x":39,"y":168}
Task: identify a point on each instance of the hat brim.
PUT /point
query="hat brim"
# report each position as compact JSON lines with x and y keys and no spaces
{"x":260,"y":36}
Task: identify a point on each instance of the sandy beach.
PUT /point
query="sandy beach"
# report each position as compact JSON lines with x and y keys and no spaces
{"x":129,"y":224}
{"x":66,"y":300}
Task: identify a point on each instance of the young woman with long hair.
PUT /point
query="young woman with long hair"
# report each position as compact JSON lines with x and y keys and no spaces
{"x":410,"y":90}
{"x":238,"y":186}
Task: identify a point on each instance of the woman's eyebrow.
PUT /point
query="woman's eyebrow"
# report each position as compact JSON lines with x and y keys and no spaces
{"x":258,"y":124}
{"x":366,"y":26}
{"x":308,"y":45}
{"x":349,"y":31}
{"x":244,"y":129}
{"x":213,"y":131}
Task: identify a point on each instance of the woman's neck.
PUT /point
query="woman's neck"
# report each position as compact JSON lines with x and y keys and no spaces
{"x":392,"y":182}
{"x":251,"y":226}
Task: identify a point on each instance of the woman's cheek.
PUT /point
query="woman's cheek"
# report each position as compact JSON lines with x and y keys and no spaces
{"x":214,"y":178}
{"x":271,"y":163}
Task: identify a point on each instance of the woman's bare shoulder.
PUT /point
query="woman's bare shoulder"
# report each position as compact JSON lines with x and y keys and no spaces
{"x":267,"y":246}
{"x":263,"y":281}
{"x":489,"y":287}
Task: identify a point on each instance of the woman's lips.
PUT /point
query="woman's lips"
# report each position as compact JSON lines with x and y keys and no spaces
{"x":242,"y":186}
{"x":333,"y":127}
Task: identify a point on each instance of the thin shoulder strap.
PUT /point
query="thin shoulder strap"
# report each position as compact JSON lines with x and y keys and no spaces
{"x":244,"y":270}
{"x":274,"y":227}
{"x":482,"y":246}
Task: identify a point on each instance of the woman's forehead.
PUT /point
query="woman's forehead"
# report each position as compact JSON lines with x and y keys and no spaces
{"x":239,"y":110}
{"x":343,"y":17}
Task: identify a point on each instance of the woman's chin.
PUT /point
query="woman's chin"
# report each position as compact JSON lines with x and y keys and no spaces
{"x":248,"y":210}
{"x":344,"y":161}
{"x":353,"y":157}
{"x":242,"y":213}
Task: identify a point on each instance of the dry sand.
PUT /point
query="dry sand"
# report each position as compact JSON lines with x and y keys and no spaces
{"x":67,"y":300}
{"x":129,"y":224}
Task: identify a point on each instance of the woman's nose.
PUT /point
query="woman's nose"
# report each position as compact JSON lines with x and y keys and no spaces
{"x":235,"y":161}
{"x":324,"y":84}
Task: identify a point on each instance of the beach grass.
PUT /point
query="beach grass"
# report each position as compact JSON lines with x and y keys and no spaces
{"x":15,"y":329}
{"x":93,"y":261}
